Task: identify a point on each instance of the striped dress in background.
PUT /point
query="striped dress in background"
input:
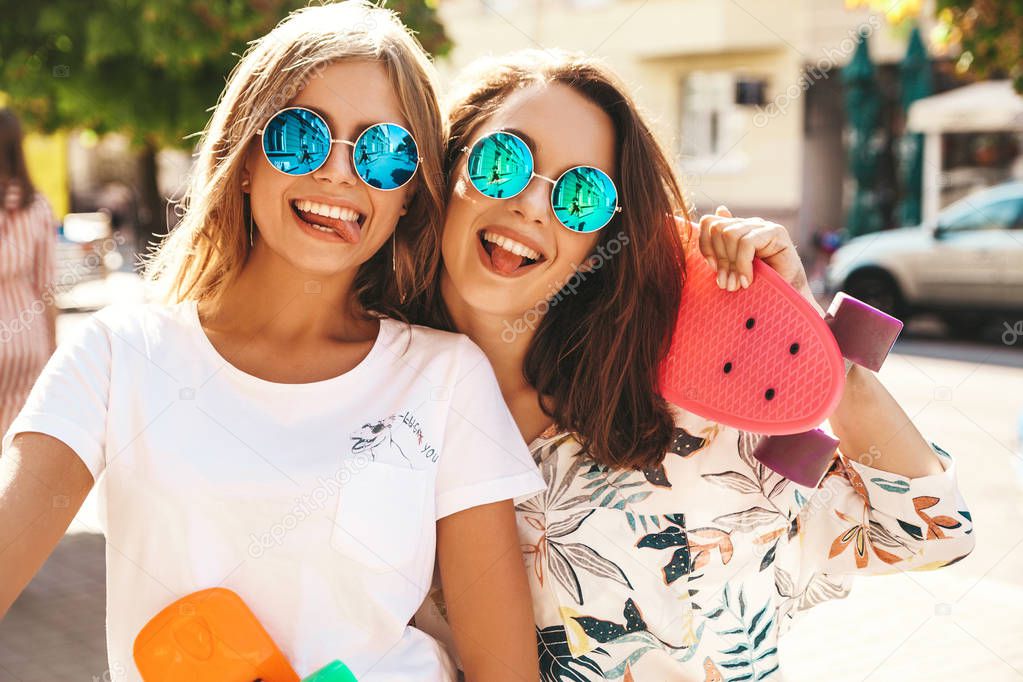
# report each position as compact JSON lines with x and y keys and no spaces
{"x":27,"y":245}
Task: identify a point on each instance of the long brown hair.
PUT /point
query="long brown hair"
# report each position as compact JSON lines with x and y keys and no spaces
{"x":595,"y":356}
{"x":13,"y":171}
{"x":205,"y":252}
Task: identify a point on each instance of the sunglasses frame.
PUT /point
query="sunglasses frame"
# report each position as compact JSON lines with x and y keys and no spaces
{"x":534,"y":174}
{"x":330,"y":137}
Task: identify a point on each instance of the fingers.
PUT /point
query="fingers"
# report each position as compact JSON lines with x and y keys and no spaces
{"x":752,"y":243}
{"x":731,"y":236}
{"x":717,"y":240}
{"x":705,"y":246}
{"x":729,"y":244}
{"x":710,"y":247}
{"x":723,"y":256}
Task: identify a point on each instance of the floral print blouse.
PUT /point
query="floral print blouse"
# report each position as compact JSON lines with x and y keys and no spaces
{"x":692,"y":570}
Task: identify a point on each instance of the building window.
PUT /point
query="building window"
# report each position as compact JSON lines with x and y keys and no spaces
{"x":712,"y":123}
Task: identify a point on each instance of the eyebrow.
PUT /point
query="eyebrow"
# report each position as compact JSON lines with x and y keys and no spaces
{"x":530,"y":142}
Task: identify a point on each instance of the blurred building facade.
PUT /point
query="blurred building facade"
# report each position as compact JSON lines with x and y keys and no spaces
{"x":746,"y":96}
{"x":974,"y":136}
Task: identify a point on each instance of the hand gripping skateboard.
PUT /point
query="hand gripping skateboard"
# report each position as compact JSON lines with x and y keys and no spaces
{"x":212,"y":636}
{"x":762,"y":359}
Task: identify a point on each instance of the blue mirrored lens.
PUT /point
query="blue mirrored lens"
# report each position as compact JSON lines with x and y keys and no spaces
{"x":386,"y":156}
{"x":500,"y":165}
{"x":296,"y":141}
{"x":584,"y":199}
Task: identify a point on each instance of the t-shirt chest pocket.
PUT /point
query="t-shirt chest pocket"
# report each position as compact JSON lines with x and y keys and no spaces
{"x":384,"y":518}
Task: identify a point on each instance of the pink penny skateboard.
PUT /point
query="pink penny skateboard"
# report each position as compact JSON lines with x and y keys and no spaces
{"x":761,"y":359}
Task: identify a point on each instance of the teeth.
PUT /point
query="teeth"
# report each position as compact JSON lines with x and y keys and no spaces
{"x":511,"y":245}
{"x":327,"y":210}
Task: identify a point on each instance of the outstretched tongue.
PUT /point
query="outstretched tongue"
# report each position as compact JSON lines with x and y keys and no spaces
{"x":347,"y":230}
{"x":317,"y":219}
{"x":504,"y":260}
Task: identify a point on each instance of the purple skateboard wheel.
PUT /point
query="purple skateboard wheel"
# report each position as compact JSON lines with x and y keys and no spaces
{"x":801,"y":457}
{"x":864,"y":334}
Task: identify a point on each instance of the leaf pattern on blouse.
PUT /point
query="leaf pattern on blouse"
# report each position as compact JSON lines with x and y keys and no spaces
{"x":693,"y":569}
{"x":557,"y":662}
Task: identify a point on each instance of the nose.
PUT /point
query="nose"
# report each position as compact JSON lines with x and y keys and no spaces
{"x":534,"y":202}
{"x":338,"y":168}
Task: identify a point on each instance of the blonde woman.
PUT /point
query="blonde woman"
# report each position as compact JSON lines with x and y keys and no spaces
{"x":272,"y":428}
{"x":27,"y":239}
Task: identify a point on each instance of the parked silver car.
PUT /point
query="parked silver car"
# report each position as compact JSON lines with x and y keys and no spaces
{"x":966,"y":266}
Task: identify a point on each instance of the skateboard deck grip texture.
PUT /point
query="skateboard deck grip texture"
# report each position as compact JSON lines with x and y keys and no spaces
{"x":759,"y":359}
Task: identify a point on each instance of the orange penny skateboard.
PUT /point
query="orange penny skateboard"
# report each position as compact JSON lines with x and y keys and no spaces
{"x":212,"y":636}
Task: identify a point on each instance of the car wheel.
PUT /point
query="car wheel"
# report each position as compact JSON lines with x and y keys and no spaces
{"x":878,"y":289}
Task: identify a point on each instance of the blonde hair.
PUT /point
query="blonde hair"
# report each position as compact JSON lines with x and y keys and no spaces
{"x":205,"y":251}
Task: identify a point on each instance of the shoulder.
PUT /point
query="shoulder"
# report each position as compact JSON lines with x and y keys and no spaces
{"x":41,"y":208}
{"x":441,"y":358}
{"x":433,"y":343}
{"x":124,"y":314}
{"x":39,"y":200}
{"x":134,"y":322}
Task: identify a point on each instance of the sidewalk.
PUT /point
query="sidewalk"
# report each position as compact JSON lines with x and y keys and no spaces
{"x":55,"y":631}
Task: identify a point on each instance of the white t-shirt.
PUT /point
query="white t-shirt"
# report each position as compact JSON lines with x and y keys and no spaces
{"x":315,"y":502}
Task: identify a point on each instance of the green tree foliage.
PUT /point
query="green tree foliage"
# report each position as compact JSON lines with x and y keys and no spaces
{"x":148,"y":68}
{"x":990,"y":33}
{"x":151,"y":69}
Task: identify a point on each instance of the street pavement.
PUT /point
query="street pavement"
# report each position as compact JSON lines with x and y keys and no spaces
{"x":960,"y":623}
{"x":963,"y":622}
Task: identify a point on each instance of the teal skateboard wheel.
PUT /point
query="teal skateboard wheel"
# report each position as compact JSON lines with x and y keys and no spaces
{"x":335,"y":671}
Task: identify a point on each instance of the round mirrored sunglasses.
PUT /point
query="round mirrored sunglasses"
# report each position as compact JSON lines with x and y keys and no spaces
{"x":500,"y":166}
{"x":297,"y":141}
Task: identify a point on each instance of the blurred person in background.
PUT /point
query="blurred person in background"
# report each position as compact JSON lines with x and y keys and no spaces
{"x":27,"y":244}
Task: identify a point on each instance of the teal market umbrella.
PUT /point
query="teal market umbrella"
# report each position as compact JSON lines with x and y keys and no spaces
{"x":916,"y":83}
{"x":863,"y":108}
